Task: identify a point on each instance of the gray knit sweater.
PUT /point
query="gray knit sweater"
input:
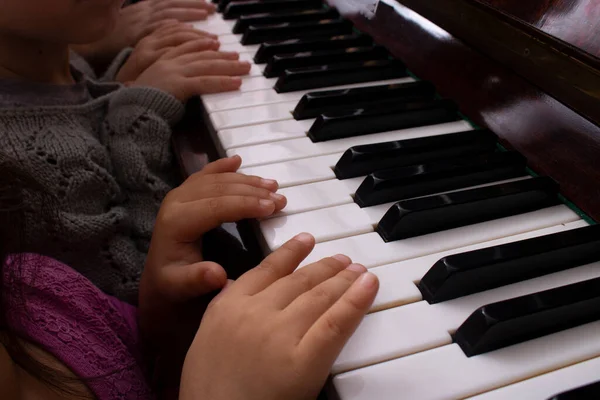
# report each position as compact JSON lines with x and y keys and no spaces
{"x":103,"y":152}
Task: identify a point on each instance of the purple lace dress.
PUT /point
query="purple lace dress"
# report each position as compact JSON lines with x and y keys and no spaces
{"x":94,"y":334}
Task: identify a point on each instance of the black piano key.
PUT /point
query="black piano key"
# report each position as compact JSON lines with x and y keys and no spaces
{"x":279,"y":63}
{"x":222,"y":4}
{"x":363,"y":121}
{"x":316,"y":103}
{"x":587,"y":392}
{"x":438,"y":176}
{"x":517,"y":320}
{"x":236,"y":9}
{"x":256,"y":34}
{"x":484,"y":269}
{"x":409,"y":218}
{"x":278,"y":17}
{"x":339,"y":74}
{"x":297,"y":45}
{"x":365,"y":159}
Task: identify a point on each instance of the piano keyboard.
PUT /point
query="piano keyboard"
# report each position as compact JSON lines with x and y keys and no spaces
{"x":378,"y":168}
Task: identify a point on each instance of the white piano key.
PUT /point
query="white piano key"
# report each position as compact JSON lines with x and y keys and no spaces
{"x":239,"y":48}
{"x":252,"y":115}
{"x":252,"y":83}
{"x":446,"y":373}
{"x":274,"y":131}
{"x":215,"y":24}
{"x":230,"y":38}
{"x":333,"y":222}
{"x":409,"y":329}
{"x":371,"y":251}
{"x":297,"y":172}
{"x":548,"y":385}
{"x":231,"y":100}
{"x":397,"y":281}
{"x":292,"y":149}
{"x":327,"y":224}
{"x":318,"y":195}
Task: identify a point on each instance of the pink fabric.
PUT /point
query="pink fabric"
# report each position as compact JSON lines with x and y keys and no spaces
{"x":94,"y":334}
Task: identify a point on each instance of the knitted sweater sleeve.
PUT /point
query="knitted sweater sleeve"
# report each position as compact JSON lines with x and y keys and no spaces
{"x":137,"y":132}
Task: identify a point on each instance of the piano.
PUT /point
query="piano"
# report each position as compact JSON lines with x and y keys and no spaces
{"x":449,"y":146}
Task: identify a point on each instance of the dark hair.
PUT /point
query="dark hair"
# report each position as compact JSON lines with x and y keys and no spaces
{"x":14,"y":184}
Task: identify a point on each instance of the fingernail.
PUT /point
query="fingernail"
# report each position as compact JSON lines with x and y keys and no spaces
{"x":266,"y":203}
{"x":304,"y":238}
{"x":367,"y":280}
{"x":236,"y":157}
{"x":268,"y":182}
{"x":342,"y":258}
{"x":276,"y":197}
{"x":236,"y":80}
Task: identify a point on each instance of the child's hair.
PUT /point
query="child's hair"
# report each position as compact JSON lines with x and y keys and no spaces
{"x":13,"y":185}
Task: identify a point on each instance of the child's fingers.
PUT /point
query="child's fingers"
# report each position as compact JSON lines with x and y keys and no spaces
{"x":326,"y":338}
{"x":311,"y":305}
{"x":199,"y":187}
{"x":207,"y":56}
{"x":184,"y":282}
{"x":276,"y":265}
{"x":184,"y":49}
{"x":219,"y":68}
{"x":195,"y":218}
{"x":173,"y":25}
{"x":286,"y":290}
{"x":213,"y":84}
{"x":239,"y":189}
{"x":177,"y":38}
{"x":180,"y":14}
{"x":159,"y":26}
{"x":229,"y":164}
{"x":189,"y":4}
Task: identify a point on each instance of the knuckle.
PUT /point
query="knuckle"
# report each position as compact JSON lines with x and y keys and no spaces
{"x":302,"y":280}
{"x":293,"y":246}
{"x":214,"y":206}
{"x":267,"y":266}
{"x":353,"y":304}
{"x":321,"y":295}
{"x":333,"y":326}
{"x":249,"y":203}
{"x":331,"y":264}
{"x":218,"y":188}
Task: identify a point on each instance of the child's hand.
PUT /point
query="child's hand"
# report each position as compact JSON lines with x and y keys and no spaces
{"x":139,"y":20}
{"x":175,"y":273}
{"x":187,"y":71}
{"x":274,"y":334}
{"x":158,"y":43}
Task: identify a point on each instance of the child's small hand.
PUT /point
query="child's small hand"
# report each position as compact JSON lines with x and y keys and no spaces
{"x":139,"y":20}
{"x":175,"y":273}
{"x":187,"y":70}
{"x":274,"y":334}
{"x":155,"y":45}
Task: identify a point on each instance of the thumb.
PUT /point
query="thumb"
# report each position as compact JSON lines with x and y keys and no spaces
{"x":185,"y":282}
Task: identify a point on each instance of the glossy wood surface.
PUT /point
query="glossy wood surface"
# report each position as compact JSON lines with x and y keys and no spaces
{"x":556,"y":140}
{"x":577,"y":22}
{"x":563,"y":71}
